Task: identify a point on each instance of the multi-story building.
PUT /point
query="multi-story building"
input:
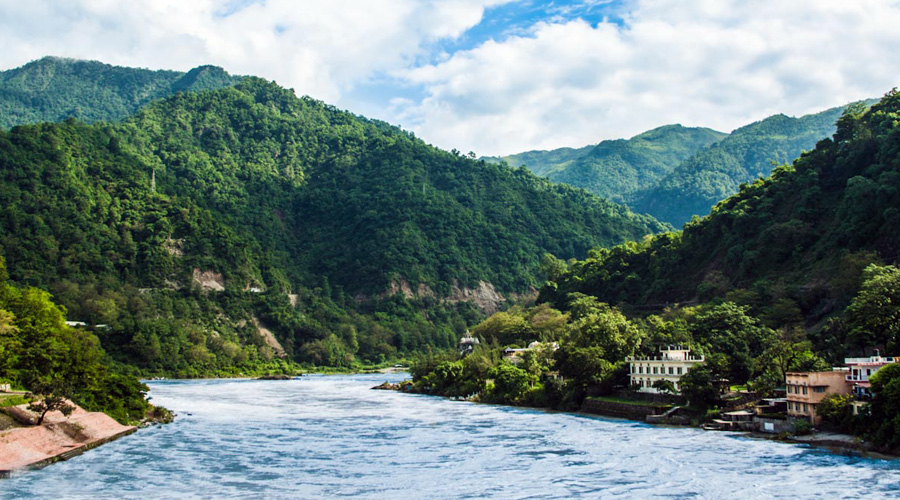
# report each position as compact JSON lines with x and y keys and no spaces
{"x":805,"y":390}
{"x":672,"y":363}
{"x":860,"y":369}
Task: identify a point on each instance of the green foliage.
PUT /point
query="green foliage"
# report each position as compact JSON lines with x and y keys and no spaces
{"x":53,"y":397}
{"x":251,"y":187}
{"x":837,"y":412}
{"x":802,"y":427}
{"x":884,"y":417}
{"x":873,"y":316}
{"x":50,"y":358}
{"x":788,"y":248}
{"x":699,"y":388}
{"x":54,"y":89}
{"x":717,"y":172}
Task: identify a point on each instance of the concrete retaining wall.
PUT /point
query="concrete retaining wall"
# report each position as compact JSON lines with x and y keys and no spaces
{"x":620,"y":410}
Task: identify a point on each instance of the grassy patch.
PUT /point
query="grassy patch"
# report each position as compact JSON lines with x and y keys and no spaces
{"x":13,"y":400}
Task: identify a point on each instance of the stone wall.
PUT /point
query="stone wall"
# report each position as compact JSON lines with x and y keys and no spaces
{"x":620,"y":410}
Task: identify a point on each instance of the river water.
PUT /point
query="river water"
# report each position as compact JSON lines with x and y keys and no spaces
{"x":331,"y":436}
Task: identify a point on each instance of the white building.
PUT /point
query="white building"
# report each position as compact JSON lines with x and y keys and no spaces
{"x":672,"y":363}
{"x":860,"y":369}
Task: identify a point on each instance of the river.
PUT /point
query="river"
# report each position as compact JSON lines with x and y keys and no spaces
{"x":331,"y":436}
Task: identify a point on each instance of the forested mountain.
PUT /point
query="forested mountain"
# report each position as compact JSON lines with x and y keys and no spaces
{"x":619,"y":169}
{"x":674,"y":172}
{"x":716,"y":172}
{"x":207,"y":215}
{"x":791,"y":249}
{"x":53,"y":89}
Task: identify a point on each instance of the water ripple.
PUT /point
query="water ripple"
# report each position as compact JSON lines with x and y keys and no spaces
{"x":332,"y":437}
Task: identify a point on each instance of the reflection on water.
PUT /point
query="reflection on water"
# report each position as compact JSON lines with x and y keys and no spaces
{"x":331,"y":436}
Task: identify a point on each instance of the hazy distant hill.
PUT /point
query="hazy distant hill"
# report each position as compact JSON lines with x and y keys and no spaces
{"x":674,"y":172}
{"x":617,"y":169}
{"x":53,"y":89}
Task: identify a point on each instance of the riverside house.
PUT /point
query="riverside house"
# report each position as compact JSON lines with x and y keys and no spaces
{"x":673,"y":362}
{"x":860,"y":369}
{"x":805,"y":390}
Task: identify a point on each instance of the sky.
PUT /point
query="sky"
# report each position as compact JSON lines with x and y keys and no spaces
{"x":500,"y":76}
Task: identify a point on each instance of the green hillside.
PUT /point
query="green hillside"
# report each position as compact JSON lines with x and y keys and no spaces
{"x":53,"y":89}
{"x":791,"y":249}
{"x":207,"y":214}
{"x":716,"y":172}
{"x":619,"y":169}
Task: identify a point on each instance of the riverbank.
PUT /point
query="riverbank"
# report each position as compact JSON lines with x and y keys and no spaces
{"x":29,"y":446}
{"x":639,"y":411}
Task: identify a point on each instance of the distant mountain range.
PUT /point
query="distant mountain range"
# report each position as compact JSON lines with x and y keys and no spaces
{"x":674,"y":172}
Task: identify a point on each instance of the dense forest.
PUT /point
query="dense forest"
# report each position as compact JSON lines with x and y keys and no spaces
{"x":53,"y":89}
{"x":209,"y":218}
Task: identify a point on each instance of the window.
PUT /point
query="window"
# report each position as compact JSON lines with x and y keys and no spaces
{"x":804,"y":392}
{"x":679,"y":370}
{"x":819,"y":389}
{"x":805,"y":406}
{"x":671,"y":370}
{"x":641,"y":369}
{"x":654,"y":370}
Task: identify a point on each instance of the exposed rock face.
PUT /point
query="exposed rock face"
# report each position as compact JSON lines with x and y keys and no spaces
{"x":485,"y":297}
{"x":269,"y":337}
{"x":403,"y":287}
{"x":209,"y":280}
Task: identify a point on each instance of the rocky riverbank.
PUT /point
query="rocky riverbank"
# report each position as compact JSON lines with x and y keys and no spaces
{"x":59,"y":437}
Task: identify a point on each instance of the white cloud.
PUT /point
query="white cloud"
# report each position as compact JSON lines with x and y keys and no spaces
{"x":318,"y":48}
{"x":707,"y":63}
{"x":560,"y":82}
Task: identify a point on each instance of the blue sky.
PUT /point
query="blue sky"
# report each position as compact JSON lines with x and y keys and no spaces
{"x":500,"y":76}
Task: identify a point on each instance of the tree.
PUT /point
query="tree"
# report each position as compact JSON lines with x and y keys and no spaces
{"x":836,"y":411}
{"x":664,"y":386}
{"x":698,"y":387}
{"x":54,"y":398}
{"x":884,"y":419}
{"x":727,"y":328}
{"x":873,"y":315}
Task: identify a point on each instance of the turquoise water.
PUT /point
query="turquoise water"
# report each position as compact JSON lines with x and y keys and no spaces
{"x":331,"y":436}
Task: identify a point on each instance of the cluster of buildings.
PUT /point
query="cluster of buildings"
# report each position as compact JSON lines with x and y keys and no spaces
{"x":804,"y":391}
